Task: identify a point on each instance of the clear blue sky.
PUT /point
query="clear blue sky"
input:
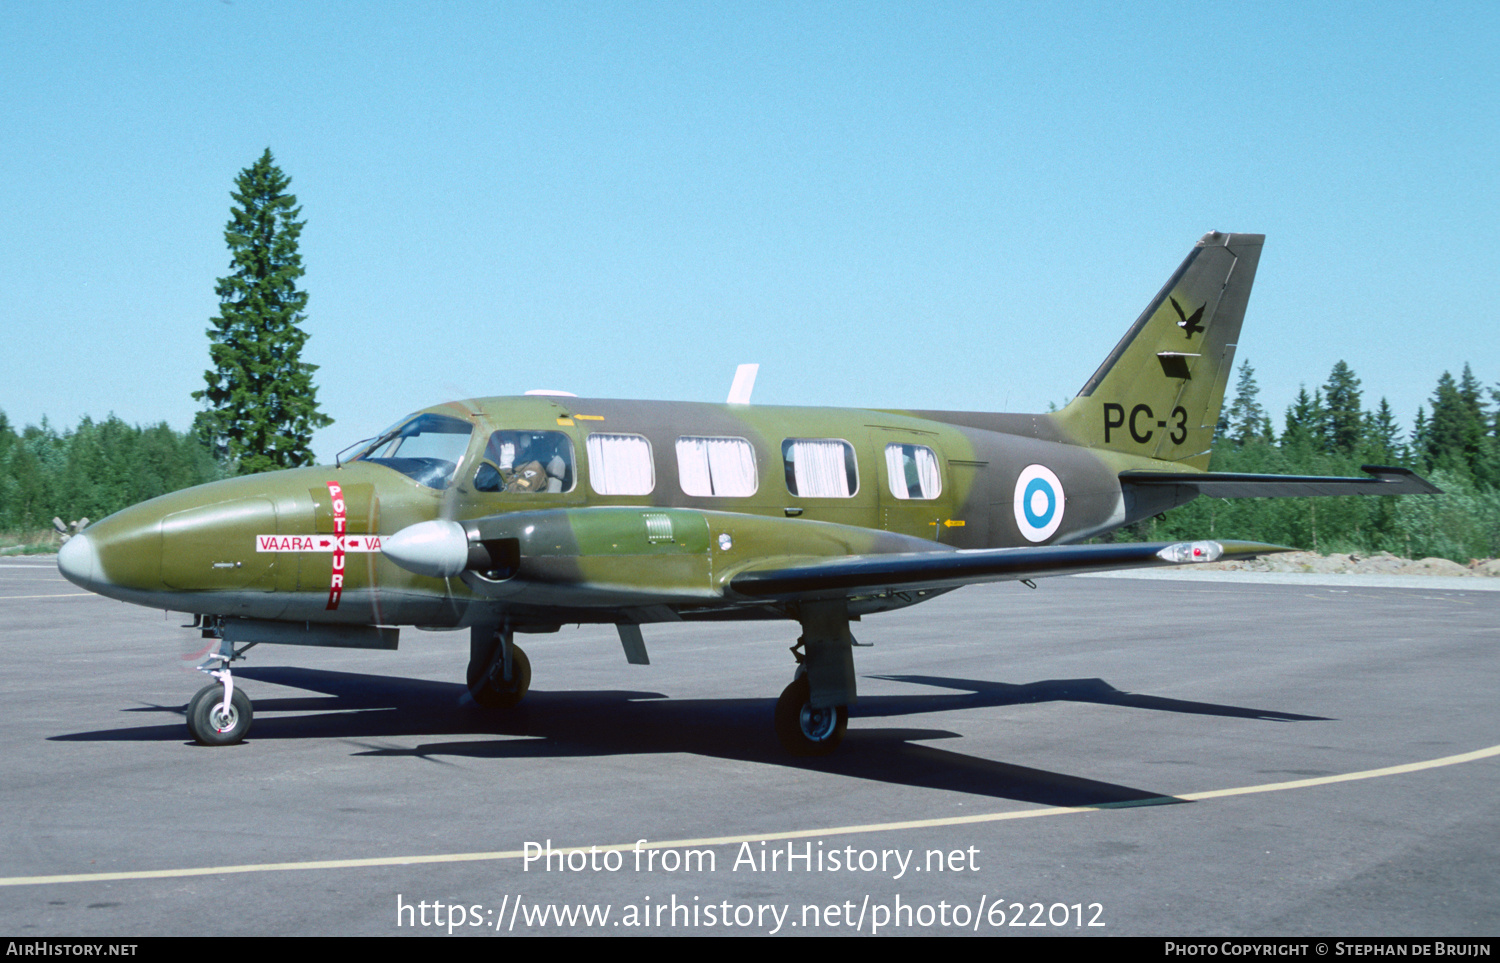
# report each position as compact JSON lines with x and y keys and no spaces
{"x":885,"y":205}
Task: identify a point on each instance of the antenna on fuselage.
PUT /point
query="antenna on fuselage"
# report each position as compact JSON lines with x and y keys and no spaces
{"x":744,"y":383}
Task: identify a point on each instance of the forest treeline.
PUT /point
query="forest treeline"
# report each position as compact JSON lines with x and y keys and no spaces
{"x":100,"y":467}
{"x":1454,"y":442}
{"x":92,"y":470}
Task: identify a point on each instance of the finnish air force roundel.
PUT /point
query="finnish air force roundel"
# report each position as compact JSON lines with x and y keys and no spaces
{"x":1039,"y":503}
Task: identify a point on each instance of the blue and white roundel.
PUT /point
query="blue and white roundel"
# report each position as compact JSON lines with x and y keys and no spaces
{"x":1039,"y":503}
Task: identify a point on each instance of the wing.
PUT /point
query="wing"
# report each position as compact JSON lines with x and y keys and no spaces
{"x":871,"y":574}
{"x":1383,"y":481}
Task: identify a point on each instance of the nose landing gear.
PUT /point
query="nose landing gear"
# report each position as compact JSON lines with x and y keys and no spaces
{"x":219,"y":714}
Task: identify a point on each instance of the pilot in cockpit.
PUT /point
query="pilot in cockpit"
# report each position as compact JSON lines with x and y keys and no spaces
{"x":522,"y":461}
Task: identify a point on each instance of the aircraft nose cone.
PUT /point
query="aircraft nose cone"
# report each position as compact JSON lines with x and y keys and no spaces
{"x":78,"y":560}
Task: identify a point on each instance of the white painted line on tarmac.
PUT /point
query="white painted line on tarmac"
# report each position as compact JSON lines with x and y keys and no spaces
{"x":55,"y":595}
{"x":1402,"y":769}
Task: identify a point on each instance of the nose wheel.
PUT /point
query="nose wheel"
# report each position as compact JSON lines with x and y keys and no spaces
{"x":212,"y":722}
{"x":803,"y":730}
{"x":219,"y":714}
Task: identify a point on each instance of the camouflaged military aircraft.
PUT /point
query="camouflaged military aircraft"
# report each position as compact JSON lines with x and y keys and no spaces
{"x":517,"y":515}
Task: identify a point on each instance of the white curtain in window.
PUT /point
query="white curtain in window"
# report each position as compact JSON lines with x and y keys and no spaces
{"x":927,"y":472}
{"x":895,"y":470}
{"x":818,"y":468}
{"x":692,"y":467}
{"x":620,"y":465}
{"x":913,"y":471}
{"x":724,"y":467}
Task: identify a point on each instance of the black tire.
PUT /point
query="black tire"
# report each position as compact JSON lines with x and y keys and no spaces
{"x":212,"y":689}
{"x":211,"y":728}
{"x":803,"y":730}
{"x":494,"y":692}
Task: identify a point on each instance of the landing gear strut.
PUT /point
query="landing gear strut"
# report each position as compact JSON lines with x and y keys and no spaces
{"x":499,"y":671}
{"x":813,"y":712}
{"x":219,"y":714}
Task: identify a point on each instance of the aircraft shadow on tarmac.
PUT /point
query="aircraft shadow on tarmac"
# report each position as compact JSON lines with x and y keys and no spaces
{"x":560,"y":724}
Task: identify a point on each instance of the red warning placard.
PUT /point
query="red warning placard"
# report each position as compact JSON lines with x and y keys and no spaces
{"x":340,"y":526}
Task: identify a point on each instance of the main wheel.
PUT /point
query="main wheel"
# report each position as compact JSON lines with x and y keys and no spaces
{"x":803,"y":730}
{"x":213,"y":727}
{"x":494,"y":692}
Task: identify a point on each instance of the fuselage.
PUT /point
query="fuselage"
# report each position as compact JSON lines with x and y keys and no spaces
{"x":626,"y":502}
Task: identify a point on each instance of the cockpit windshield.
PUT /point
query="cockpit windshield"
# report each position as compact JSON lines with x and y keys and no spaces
{"x":426,"y":448}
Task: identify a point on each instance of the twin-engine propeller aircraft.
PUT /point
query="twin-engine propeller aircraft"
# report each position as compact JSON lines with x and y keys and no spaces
{"x":507,"y":515}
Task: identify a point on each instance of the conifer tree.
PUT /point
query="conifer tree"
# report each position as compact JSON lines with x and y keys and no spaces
{"x":260,"y":404}
{"x":1304,"y":423}
{"x":1383,"y":436}
{"x":1246,"y":418}
{"x":1483,"y":447}
{"x":1456,"y":429}
{"x":1472,"y":395}
{"x":1343,"y":424}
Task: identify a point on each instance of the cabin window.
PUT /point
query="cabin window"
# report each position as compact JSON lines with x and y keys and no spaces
{"x":913,"y":471}
{"x":426,"y":449}
{"x":620,"y":465}
{"x":526,"y":461}
{"x":723,"y":467}
{"x":820,"y":467}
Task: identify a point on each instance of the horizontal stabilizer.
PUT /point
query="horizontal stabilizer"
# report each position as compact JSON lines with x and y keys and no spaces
{"x":1383,"y":481}
{"x":912,"y":571}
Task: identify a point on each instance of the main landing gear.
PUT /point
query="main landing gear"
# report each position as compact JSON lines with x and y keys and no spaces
{"x":219,"y":714}
{"x":803,"y":730}
{"x":813,"y":712}
{"x":499,"y":671}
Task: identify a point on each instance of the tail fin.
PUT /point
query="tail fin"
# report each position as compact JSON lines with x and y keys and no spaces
{"x":1158,"y":394}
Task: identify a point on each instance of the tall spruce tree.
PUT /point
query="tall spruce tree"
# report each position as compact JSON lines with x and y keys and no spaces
{"x":1420,"y":434}
{"x":1456,"y":430}
{"x":1304,"y":422}
{"x":1343,"y":418}
{"x":1247,"y":421}
{"x":1383,"y":436}
{"x":260,"y":404}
